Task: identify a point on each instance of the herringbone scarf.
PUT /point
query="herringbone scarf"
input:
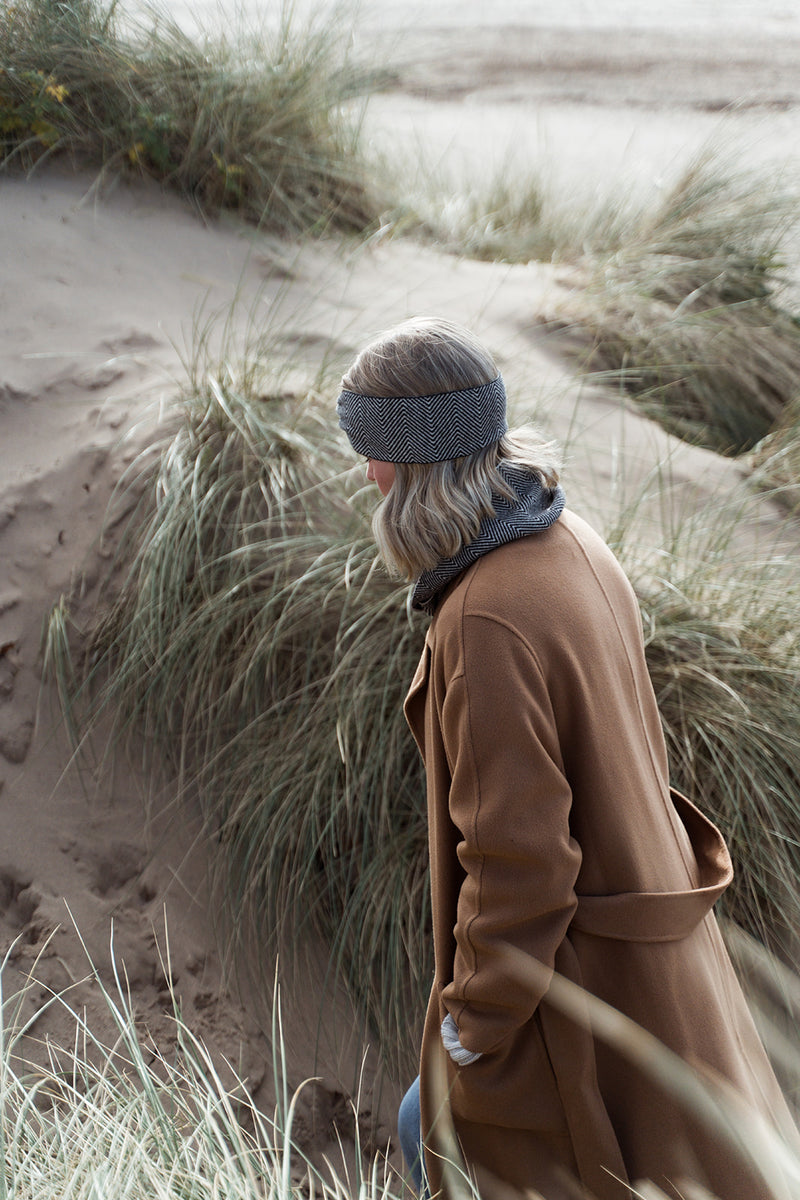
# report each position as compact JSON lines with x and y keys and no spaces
{"x":536,"y":509}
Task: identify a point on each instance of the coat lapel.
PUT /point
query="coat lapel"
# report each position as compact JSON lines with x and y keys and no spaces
{"x":414,"y":706}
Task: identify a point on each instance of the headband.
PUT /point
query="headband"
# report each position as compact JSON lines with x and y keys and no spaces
{"x":424,"y":429}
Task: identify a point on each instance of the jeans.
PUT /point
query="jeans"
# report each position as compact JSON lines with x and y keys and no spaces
{"x":409,"y":1131}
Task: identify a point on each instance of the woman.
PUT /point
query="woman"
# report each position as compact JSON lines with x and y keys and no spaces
{"x":554,"y":836}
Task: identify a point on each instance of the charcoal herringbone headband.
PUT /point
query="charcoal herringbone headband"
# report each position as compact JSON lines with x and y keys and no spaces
{"x":424,"y":429}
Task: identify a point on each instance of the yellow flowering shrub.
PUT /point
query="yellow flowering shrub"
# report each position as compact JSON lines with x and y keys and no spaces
{"x":31,"y":107}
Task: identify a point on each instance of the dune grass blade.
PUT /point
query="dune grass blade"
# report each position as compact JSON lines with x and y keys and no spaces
{"x":257,"y":125}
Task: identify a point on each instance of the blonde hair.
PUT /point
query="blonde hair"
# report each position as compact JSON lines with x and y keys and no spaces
{"x":421,"y":357}
{"x":433,"y":509}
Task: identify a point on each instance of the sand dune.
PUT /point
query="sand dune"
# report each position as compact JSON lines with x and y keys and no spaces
{"x":104,"y":291}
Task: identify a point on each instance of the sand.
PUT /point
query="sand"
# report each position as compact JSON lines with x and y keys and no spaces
{"x":104,"y":291}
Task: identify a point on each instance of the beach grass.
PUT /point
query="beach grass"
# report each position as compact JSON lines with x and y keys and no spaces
{"x":262,"y":652}
{"x":692,"y":315}
{"x":509,"y":214}
{"x":775,"y":461}
{"x":119,"y":1115}
{"x":679,"y":299}
{"x":723,"y":652}
{"x":257,"y":645}
{"x":259,"y":123}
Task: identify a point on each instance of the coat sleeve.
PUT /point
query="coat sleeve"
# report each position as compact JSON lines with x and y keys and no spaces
{"x":510,"y":801}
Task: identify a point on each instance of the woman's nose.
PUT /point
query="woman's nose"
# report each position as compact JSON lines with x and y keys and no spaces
{"x":370,"y":472}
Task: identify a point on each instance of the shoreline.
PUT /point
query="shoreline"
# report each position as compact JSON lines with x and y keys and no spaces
{"x":644,"y":68}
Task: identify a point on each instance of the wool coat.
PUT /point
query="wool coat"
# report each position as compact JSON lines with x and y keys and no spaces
{"x":553,"y":830}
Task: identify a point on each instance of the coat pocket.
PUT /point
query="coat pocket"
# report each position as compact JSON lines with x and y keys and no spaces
{"x":513,"y":1086}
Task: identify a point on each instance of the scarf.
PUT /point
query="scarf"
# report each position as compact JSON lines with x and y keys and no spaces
{"x":535,"y":508}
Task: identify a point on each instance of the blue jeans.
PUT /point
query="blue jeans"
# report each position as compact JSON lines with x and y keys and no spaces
{"x":409,"y":1130}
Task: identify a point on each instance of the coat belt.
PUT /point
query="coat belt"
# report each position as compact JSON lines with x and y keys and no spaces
{"x":664,"y":916}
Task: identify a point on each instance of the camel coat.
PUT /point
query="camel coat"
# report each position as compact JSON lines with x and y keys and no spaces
{"x":553,"y":829}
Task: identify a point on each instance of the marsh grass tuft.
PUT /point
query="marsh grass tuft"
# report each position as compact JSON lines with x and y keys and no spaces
{"x":256,"y":125}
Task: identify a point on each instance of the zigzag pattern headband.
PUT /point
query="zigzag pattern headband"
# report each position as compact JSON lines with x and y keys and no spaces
{"x":424,"y":429}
